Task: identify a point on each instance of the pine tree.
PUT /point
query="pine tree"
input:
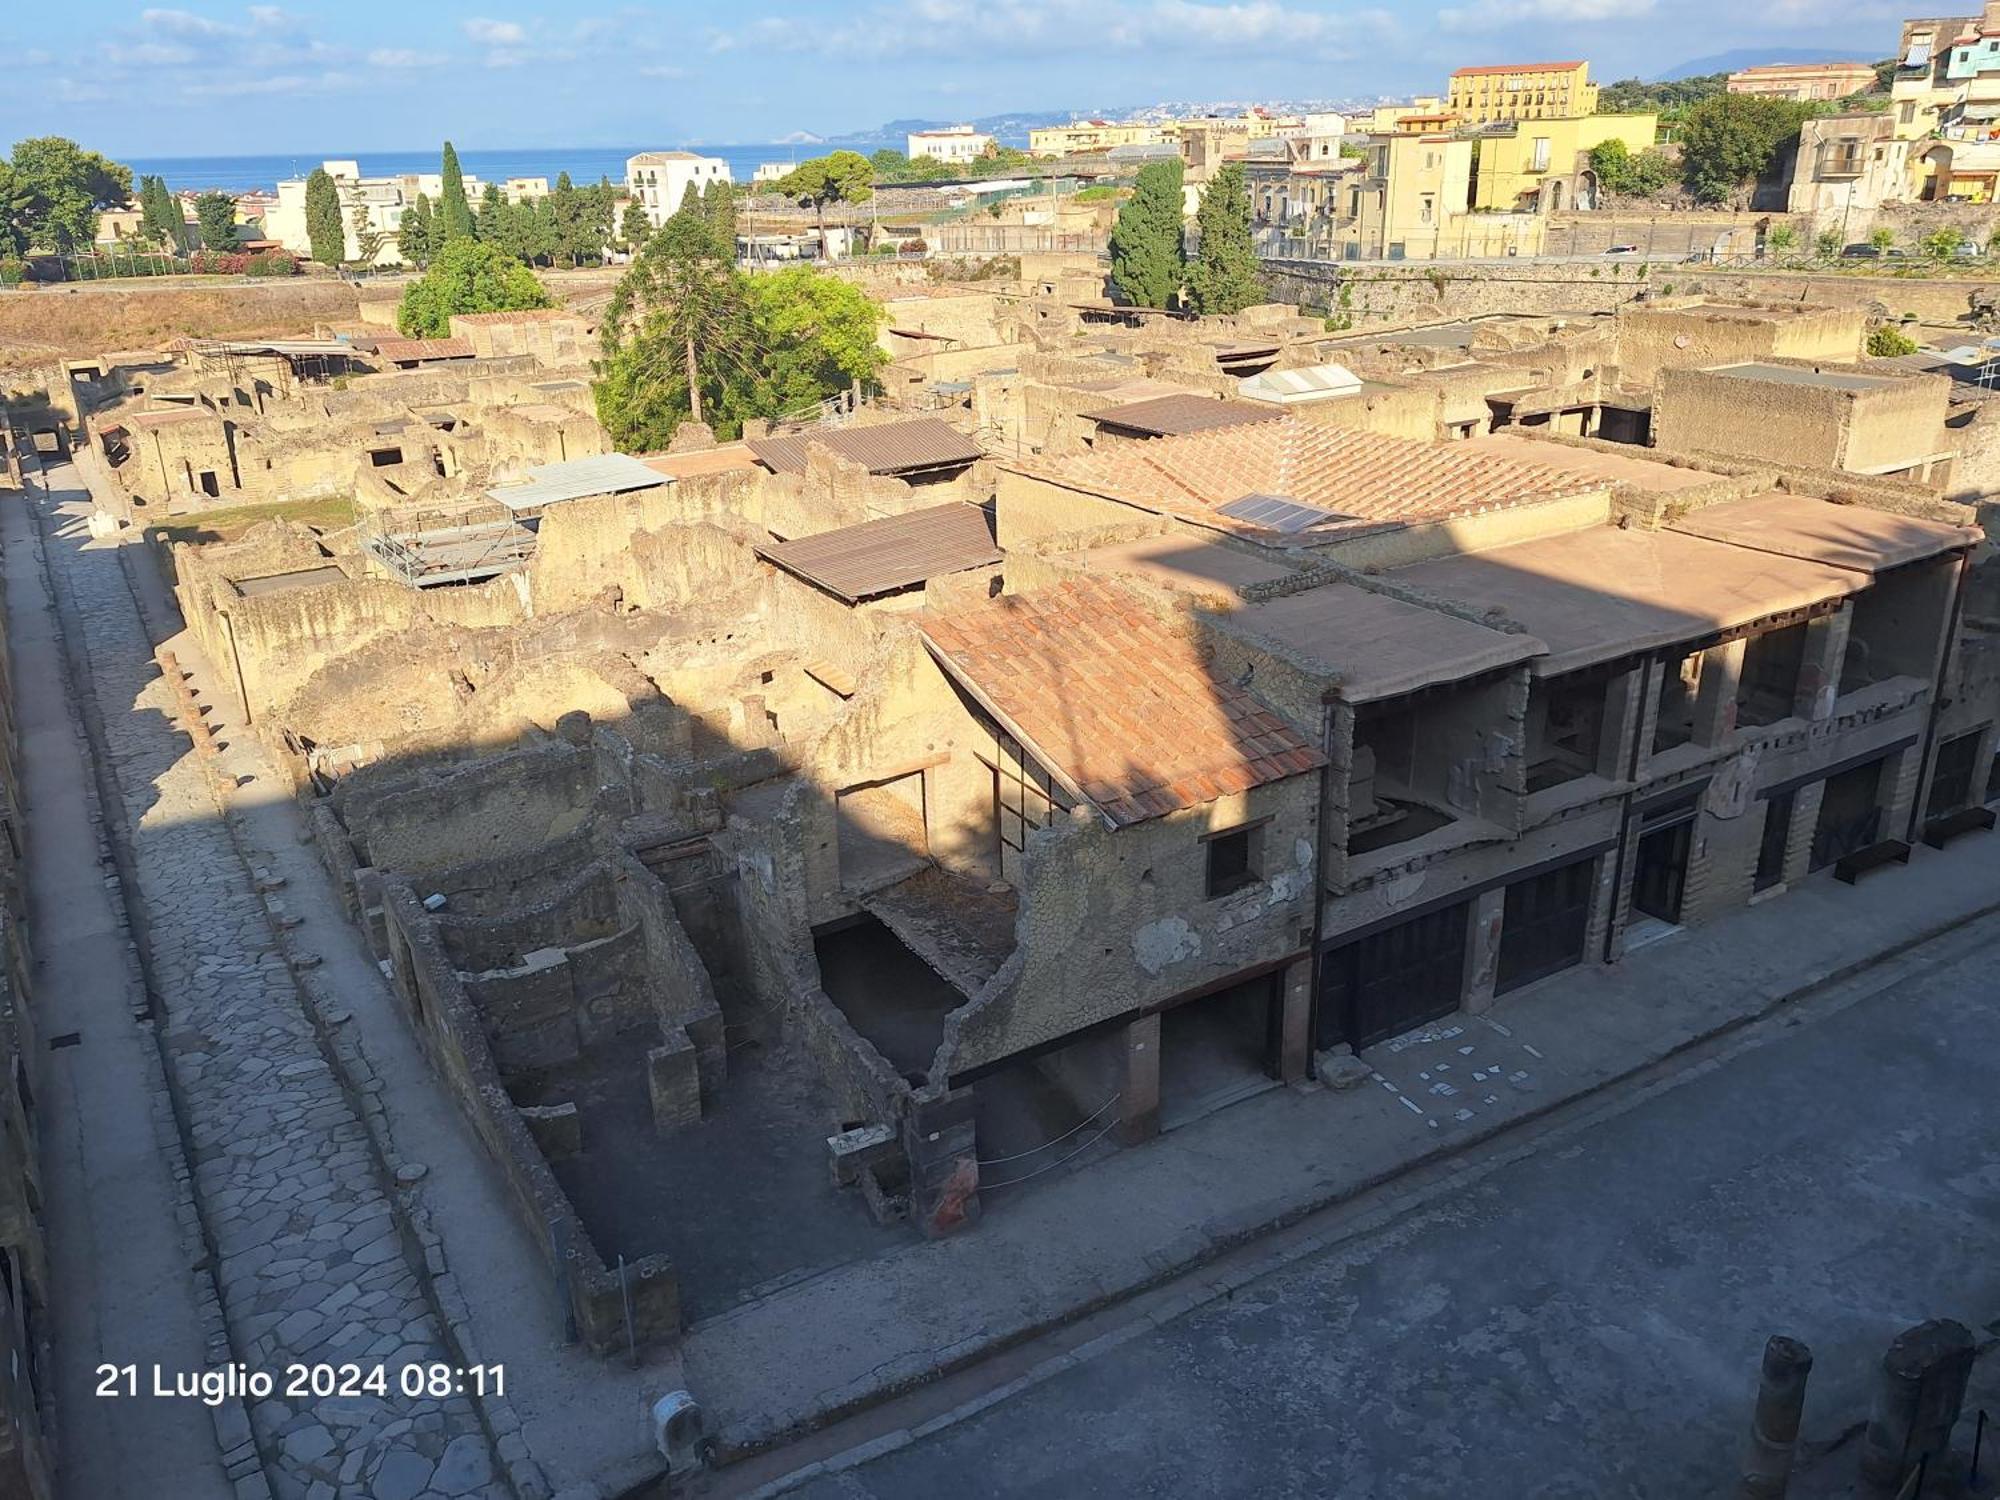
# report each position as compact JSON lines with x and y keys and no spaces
{"x":216,"y":214}
{"x":153,"y":223}
{"x":635,"y":229}
{"x":454,"y":215}
{"x":718,"y":206}
{"x":1148,"y":263}
{"x":1224,"y":278}
{"x":325,"y":230}
{"x":413,"y":238}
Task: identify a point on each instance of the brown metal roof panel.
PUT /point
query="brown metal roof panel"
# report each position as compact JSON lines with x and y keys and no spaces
{"x":1184,"y":412}
{"x":894,"y":552}
{"x":888,"y":448}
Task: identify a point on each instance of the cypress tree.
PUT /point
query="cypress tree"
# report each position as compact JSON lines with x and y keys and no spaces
{"x":326,"y":231}
{"x":718,"y":206}
{"x":1224,"y":277}
{"x":413,"y":238}
{"x":1148,"y":263}
{"x":454,"y":215}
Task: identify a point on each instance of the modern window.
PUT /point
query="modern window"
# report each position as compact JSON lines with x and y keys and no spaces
{"x":1234,"y":857}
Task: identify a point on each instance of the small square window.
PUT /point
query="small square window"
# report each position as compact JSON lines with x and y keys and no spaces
{"x":1233,"y":860}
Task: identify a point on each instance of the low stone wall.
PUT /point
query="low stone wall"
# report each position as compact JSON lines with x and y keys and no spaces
{"x":453,"y":1035}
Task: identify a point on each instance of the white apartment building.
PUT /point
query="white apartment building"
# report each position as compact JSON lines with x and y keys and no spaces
{"x":958,"y":144}
{"x":374,"y":205}
{"x":658,"y":180}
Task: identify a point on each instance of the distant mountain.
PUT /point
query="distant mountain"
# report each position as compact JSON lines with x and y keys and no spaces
{"x":1751,"y":57}
{"x":1011,"y":129}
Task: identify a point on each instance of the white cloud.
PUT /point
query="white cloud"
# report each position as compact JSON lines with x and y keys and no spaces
{"x":662,"y":70}
{"x":1497,"y":15}
{"x":404,"y":57}
{"x":281,"y":83}
{"x":490,"y":33}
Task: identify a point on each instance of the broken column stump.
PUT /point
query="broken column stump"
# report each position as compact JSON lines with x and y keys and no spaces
{"x":1918,"y":1393}
{"x":1774,"y":1429}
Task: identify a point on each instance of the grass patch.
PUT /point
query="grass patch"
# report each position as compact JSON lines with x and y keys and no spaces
{"x":229,"y":523}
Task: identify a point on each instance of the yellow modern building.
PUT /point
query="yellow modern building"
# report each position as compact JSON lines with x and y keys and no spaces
{"x":1523,"y":91}
{"x":1409,"y":202}
{"x":1081,"y":136}
{"x":1543,"y":166}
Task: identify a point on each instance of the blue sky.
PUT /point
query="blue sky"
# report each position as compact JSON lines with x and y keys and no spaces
{"x":389,"y":74}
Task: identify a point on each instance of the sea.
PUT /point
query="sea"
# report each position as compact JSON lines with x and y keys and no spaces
{"x":585,"y":164}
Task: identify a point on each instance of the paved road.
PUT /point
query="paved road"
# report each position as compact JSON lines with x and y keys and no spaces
{"x":1582,"y":1323}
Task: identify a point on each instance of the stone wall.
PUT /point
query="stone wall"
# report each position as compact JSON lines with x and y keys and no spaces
{"x":87,"y":319}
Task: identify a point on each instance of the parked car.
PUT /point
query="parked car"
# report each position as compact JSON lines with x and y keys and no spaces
{"x":1622,"y":250}
{"x":1874,"y":252}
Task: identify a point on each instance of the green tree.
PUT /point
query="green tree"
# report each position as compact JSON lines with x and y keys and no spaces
{"x":1781,"y":238}
{"x":812,"y":335}
{"x":1671,"y":101}
{"x":570,"y":215}
{"x":454,"y":214}
{"x":842,"y":177}
{"x":159,"y":213}
{"x":324,"y":229}
{"x":1882,"y":237}
{"x":368,"y":240}
{"x":1887,"y":342}
{"x":675,"y":335}
{"x":413,"y":236}
{"x":216,"y":214}
{"x":55,"y":191}
{"x":467,"y":277}
{"x":635,"y":229}
{"x":1943,"y":244}
{"x":1148,"y":261}
{"x":1224,"y":277}
{"x":1628,"y":173}
{"x":718,"y":207}
{"x":1826,"y":244}
{"x":600,"y":203}
{"x":1728,"y":141}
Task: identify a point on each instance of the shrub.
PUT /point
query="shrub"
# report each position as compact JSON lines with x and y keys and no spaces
{"x":1943,"y":244}
{"x":1885,"y":342}
{"x":13,"y":270}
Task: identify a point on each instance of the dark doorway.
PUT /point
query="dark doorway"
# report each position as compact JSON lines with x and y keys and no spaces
{"x":1659,"y":868}
{"x":208,"y":484}
{"x":1218,"y":1049}
{"x":1394,"y":980}
{"x":1850,"y":814}
{"x":1542,"y":929}
{"x":1776,"y":840}
{"x":1952,"y":775}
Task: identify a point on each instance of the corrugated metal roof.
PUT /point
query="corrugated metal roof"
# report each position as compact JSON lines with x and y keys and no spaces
{"x":894,"y":552}
{"x":1179,"y":414}
{"x":605,"y":474}
{"x":1314,"y":383}
{"x":888,"y":448}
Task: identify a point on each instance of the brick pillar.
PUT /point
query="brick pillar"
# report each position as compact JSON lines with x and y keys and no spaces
{"x":1624,"y":719}
{"x":1715,"y":698}
{"x":1139,"y":1099}
{"x":1482,"y":948}
{"x":939,"y":1139}
{"x":1805,"y":818}
{"x":1295,"y":1020}
{"x":1819,"y":670}
{"x":1897,"y":792}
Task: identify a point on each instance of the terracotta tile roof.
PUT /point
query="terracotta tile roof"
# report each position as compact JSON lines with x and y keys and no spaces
{"x":893,"y":552}
{"x":1176,"y":415}
{"x":1115,"y":702}
{"x":1362,"y":477}
{"x":887,"y":448}
{"x":397,"y":350}
{"x":1515,"y":68}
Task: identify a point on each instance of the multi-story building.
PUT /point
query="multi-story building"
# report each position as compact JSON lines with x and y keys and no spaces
{"x":659,"y":180}
{"x":1410,"y":201}
{"x":1847,"y":167}
{"x":1522,"y":91}
{"x":1386,"y":119}
{"x":1920,"y":88}
{"x":1544,"y":165}
{"x":956,"y":144}
{"x":371,"y":208}
{"x":1805,"y":82}
{"x":1083,"y":136}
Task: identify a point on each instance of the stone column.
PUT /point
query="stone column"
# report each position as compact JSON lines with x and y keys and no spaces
{"x":1295,"y":1020}
{"x":939,"y":1139}
{"x":1624,"y":718}
{"x":1774,"y":1431}
{"x":1918,"y":1393}
{"x":1482,"y":948}
{"x":1715,"y":698}
{"x":1139,"y":1099}
{"x":1819,"y":669}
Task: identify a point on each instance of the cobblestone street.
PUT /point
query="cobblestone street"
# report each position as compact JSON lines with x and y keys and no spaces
{"x":311,"y":1265}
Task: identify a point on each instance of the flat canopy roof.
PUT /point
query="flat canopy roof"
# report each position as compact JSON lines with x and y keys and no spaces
{"x":722,"y":459}
{"x":1382,"y":647}
{"x":1839,"y":380}
{"x":1845,"y":536}
{"x":887,"y":448}
{"x":1605,"y":592}
{"x":1181,"y":412}
{"x":890,"y":553}
{"x":605,"y":474}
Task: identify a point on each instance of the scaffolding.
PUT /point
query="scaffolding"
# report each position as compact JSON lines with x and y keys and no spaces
{"x":432,"y":547}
